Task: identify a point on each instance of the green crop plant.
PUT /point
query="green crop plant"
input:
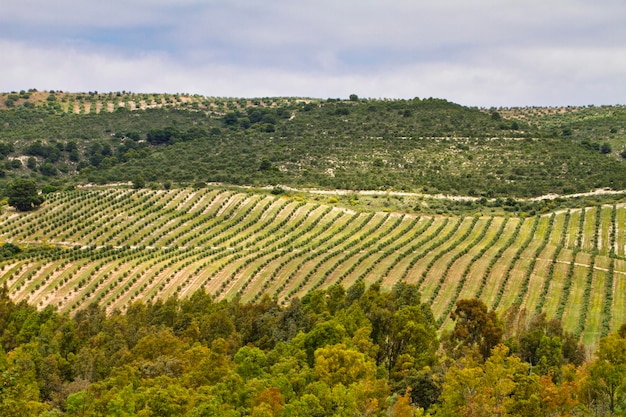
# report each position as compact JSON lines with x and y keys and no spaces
{"x":516,"y":257}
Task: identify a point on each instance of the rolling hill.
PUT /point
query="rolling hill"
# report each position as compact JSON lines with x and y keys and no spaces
{"x":424,"y":145}
{"x":175,"y":231}
{"x":114,"y":245}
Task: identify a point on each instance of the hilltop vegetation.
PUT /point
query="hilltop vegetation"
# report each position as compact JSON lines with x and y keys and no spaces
{"x":424,"y":145}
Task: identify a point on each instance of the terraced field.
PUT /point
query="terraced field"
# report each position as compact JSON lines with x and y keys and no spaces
{"x":116,"y":245}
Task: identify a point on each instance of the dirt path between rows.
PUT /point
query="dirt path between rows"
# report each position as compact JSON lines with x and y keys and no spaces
{"x":599,"y":191}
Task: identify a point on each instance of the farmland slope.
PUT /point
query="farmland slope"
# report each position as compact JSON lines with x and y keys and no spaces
{"x":117,"y":245}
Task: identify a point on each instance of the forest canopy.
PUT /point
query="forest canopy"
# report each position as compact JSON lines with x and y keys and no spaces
{"x":335,"y":352}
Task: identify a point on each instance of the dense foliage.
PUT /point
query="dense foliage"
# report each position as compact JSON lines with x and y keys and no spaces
{"x":23,"y":195}
{"x":419,"y":145}
{"x":334,"y":353}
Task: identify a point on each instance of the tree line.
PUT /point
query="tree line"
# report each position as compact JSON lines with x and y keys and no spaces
{"x":342,"y":352}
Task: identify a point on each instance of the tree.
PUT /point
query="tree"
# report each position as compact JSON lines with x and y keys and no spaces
{"x":6,"y":148}
{"x":272,"y":400}
{"x":476,"y":327}
{"x":402,"y":406}
{"x":266,"y":165}
{"x":608,"y":372}
{"x":48,"y":170}
{"x":20,"y":391}
{"x":338,"y":364}
{"x":410,"y":332}
{"x":23,"y":195}
{"x":489,"y":389}
{"x":323,"y":334}
{"x":230,"y":119}
{"x":139,"y":182}
{"x":559,"y":399}
{"x":251,"y":362}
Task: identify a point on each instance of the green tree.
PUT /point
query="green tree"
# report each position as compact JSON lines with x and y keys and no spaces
{"x":323,"y":334}
{"x":475,"y":326}
{"x":250,"y":361}
{"x":339,"y":365}
{"x":490,"y":389}
{"x":6,"y":251}
{"x":20,"y":392}
{"x":608,"y":372}
{"x":23,"y":195}
{"x":550,"y":357}
{"x":48,"y":170}
{"x":139,"y":182}
{"x":230,"y":119}
{"x":410,"y":333}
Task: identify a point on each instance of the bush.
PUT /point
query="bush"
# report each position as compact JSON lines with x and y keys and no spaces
{"x":605,"y":148}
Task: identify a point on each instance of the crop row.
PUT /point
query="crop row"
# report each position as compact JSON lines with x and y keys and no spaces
{"x":584,"y":308}
{"x":114,"y":246}
{"x":513,"y":262}
{"x":553,"y":263}
{"x":465,"y":273}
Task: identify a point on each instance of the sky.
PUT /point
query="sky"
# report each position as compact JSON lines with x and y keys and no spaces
{"x":473,"y":52}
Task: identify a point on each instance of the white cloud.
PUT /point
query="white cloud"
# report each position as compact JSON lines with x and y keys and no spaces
{"x":481,"y":53}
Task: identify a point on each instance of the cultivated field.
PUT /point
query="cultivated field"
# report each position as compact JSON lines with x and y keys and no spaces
{"x":115,"y":245}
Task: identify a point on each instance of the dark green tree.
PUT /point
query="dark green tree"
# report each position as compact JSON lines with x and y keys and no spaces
{"x":606,"y":148}
{"x":475,"y":327}
{"x":23,"y":195}
{"x":230,"y":119}
{"x":139,"y":182}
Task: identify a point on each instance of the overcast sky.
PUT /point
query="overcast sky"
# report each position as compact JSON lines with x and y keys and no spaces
{"x":473,"y":52}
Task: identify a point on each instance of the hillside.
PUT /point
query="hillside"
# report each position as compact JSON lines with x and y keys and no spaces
{"x":173,"y":233}
{"x":116,"y":245}
{"x":423,"y":145}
